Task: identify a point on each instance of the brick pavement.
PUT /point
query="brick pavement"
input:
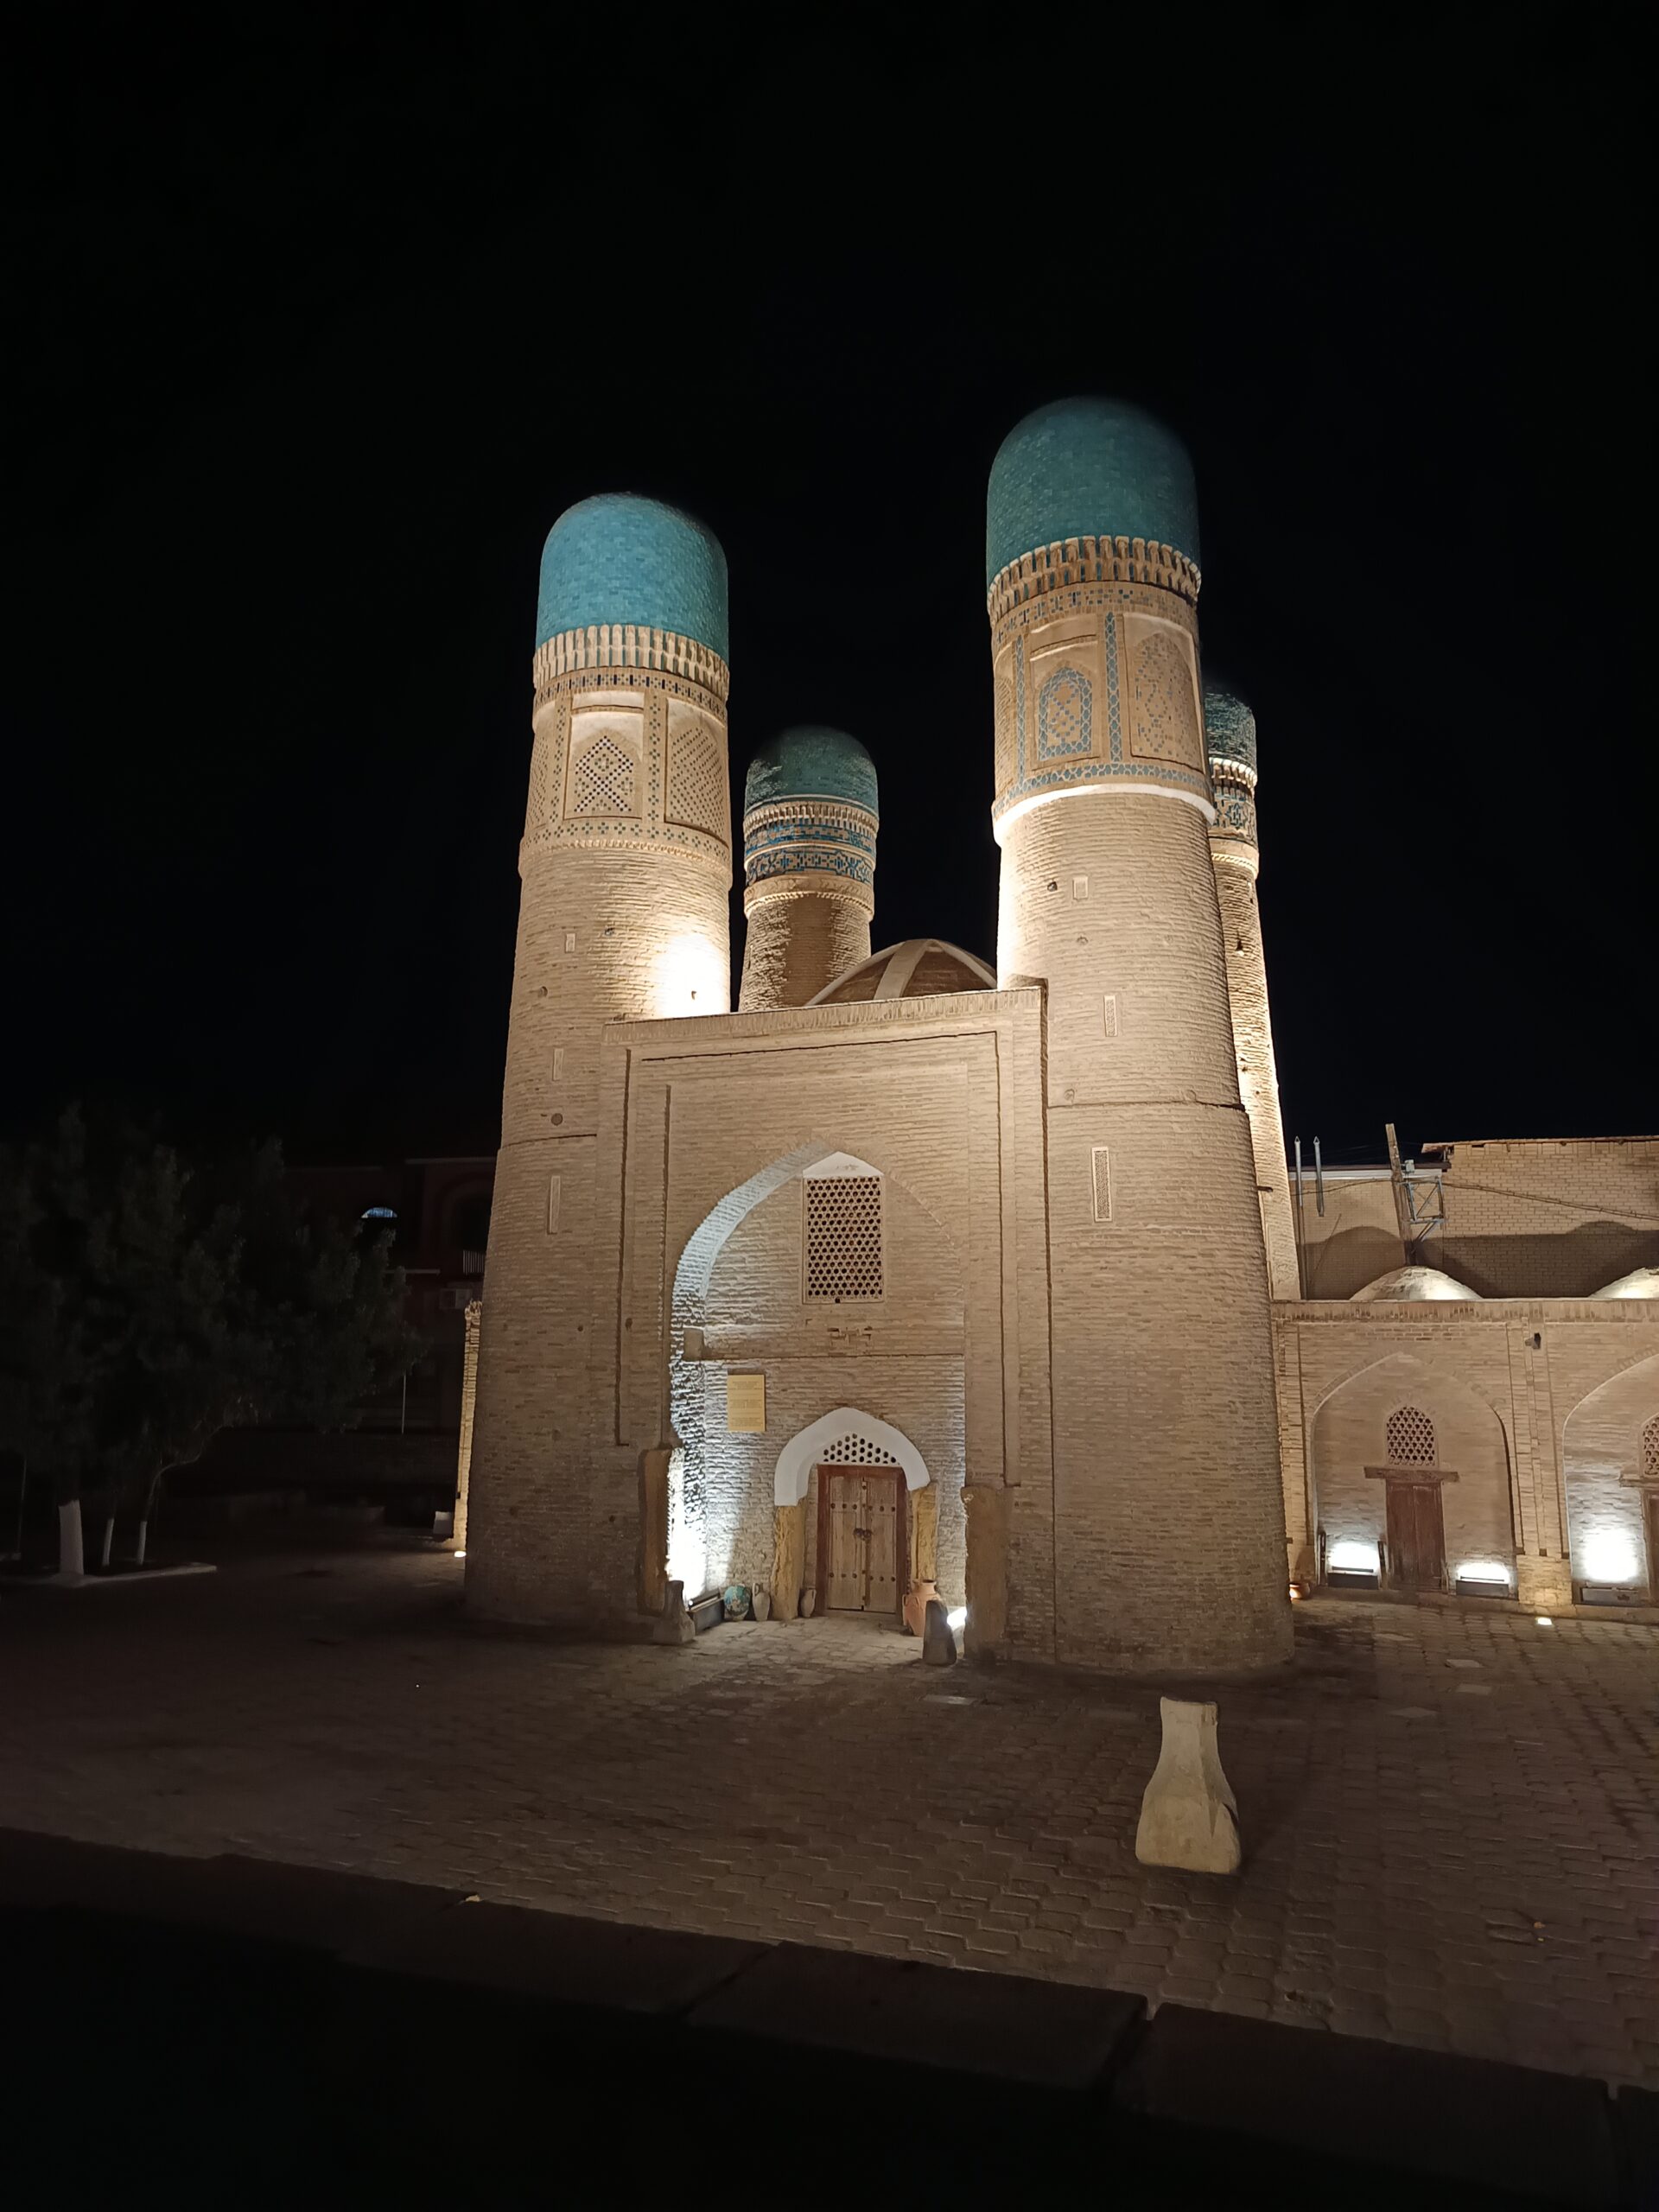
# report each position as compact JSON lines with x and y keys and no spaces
{"x":1450,"y":1819}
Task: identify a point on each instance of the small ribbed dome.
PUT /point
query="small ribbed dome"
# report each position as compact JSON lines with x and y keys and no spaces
{"x":1641,"y":1282}
{"x":619,"y":558}
{"x":1088,"y":468}
{"x":811,"y":763}
{"x":1229,"y":726}
{"x":917,"y":969}
{"x":1412,"y":1284}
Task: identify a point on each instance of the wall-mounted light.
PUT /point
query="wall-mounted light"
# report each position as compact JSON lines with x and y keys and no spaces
{"x":1609,"y":1555}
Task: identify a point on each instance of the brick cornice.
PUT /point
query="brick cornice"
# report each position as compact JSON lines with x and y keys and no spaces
{"x":628,"y":646}
{"x":1072,"y":560}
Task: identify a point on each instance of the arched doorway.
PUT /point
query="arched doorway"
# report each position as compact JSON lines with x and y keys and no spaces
{"x":867,"y":1517}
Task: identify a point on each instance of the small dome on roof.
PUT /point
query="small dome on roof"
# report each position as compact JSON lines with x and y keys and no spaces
{"x":621,"y":558}
{"x":811,"y":763}
{"x":1641,"y":1282}
{"x":1410,"y":1284}
{"x":1228,"y":726}
{"x":1088,"y":468}
{"x":917,"y":969}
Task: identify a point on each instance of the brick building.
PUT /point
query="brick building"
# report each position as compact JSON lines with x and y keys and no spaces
{"x":913,"y":1273}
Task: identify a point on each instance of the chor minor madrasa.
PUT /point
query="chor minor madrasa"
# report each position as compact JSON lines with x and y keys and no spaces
{"x":921,"y":1274}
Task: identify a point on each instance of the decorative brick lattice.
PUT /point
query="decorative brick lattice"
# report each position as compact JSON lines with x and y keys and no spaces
{"x":1065,"y":715}
{"x":1410,"y":1436}
{"x":843,"y":1238}
{"x":697,"y":784}
{"x":1166,"y":709}
{"x":1007,"y":761}
{"x":1650,"y":1448}
{"x":856,"y":1452}
{"x":604,"y":780}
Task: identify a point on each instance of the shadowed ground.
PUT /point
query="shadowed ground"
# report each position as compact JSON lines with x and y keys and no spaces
{"x":1450,"y":1819}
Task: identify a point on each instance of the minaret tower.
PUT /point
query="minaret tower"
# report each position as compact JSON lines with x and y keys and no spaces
{"x":626,"y":866}
{"x":1229,"y":740}
{"x":1169,"y":1532}
{"x":810,"y":821}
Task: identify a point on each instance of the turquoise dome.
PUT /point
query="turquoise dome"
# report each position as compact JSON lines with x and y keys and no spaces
{"x":810,"y":764}
{"x":1229,"y":726}
{"x":619,"y":558}
{"x":1088,"y":468}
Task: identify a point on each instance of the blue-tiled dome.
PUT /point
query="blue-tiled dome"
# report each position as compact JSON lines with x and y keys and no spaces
{"x":619,"y":558}
{"x":1088,"y":468}
{"x":810,"y":764}
{"x":1229,"y":726}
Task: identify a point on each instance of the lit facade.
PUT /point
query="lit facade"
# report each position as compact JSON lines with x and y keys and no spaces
{"x":914,"y":1277}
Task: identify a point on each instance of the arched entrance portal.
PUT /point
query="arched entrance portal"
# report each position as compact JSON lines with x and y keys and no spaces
{"x":857,"y":1517}
{"x":820,"y":1301}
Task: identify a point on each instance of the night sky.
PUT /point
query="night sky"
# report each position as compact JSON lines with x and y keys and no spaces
{"x":319,"y":331}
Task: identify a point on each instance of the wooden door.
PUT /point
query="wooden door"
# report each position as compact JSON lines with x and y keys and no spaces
{"x":861,"y":1538}
{"x":1416,"y":1537}
{"x":1651,"y":1523}
{"x":881,"y":1543}
{"x":843,"y":1581}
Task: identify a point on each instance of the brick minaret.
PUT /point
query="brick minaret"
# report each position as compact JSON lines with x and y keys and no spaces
{"x":1229,"y":739}
{"x":626,"y":866}
{"x":810,"y":817}
{"x":1169,"y":1535}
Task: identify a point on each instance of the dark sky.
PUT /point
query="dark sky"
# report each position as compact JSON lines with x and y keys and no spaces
{"x":320,"y":331}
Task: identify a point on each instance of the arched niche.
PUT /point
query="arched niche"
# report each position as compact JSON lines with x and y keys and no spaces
{"x":1613,"y":1512}
{"x":1350,"y":1442}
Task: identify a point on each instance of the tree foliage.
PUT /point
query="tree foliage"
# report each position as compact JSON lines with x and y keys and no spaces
{"x":146,"y":1304}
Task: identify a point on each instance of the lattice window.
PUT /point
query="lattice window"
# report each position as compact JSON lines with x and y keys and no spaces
{"x":843,"y":1238}
{"x":856,"y":1452}
{"x":696,"y":783}
{"x":604,"y":782}
{"x":1410,"y":1438}
{"x":1650,"y":1448}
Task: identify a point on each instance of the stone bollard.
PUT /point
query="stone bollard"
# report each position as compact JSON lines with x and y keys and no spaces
{"x":1189,"y":1816}
{"x":676,"y":1625}
{"x":939,"y":1645}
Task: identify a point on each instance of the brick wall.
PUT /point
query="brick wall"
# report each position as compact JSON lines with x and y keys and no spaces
{"x":620,"y":915}
{"x":1258,"y":1075}
{"x":797,"y":944}
{"x":1568,"y":1381}
{"x":1356,"y":1239}
{"x":1169,"y":1538}
{"x":1537,"y":1219}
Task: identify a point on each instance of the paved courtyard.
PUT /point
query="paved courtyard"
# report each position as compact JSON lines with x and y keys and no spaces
{"x":1451,"y":1820}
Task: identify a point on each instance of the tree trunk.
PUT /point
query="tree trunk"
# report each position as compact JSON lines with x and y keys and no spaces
{"x":71,"y":1561}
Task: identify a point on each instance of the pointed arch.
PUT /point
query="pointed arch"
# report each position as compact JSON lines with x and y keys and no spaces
{"x":1413,"y":1373}
{"x":1607,"y":1441}
{"x":809,"y":1445}
{"x":1405,"y":1413}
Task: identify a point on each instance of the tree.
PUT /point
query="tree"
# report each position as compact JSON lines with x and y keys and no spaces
{"x":146,"y":1305}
